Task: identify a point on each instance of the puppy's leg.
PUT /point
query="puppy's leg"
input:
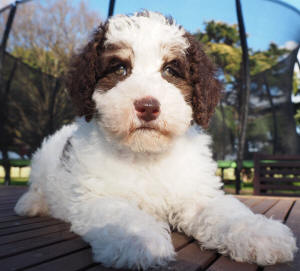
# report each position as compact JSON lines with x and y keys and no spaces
{"x":31,"y":203}
{"x":229,"y":226}
{"x":122,"y":235}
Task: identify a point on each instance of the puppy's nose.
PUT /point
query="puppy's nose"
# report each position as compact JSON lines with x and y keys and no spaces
{"x":147,"y":108}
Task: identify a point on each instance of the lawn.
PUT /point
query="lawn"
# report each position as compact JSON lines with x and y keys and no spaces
{"x":16,"y":181}
{"x":246,"y":189}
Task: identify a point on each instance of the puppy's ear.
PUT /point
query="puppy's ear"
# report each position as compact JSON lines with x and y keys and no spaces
{"x":206,"y":88}
{"x":84,"y":70}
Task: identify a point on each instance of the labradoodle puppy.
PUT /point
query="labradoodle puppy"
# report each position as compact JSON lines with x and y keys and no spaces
{"x":136,"y":163}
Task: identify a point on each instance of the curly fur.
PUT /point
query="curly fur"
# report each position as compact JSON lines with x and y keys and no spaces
{"x":124,"y":182}
{"x":86,"y":69}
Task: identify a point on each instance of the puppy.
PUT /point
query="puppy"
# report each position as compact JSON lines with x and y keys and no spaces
{"x":136,"y":163}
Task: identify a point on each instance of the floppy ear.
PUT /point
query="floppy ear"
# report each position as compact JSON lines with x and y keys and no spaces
{"x":84,"y":70}
{"x":206,"y":88}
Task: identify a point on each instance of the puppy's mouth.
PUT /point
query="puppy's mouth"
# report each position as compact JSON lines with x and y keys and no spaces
{"x":149,"y":129}
{"x":146,"y":128}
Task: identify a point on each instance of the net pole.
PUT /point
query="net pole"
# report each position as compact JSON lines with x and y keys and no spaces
{"x":245,"y":94}
{"x":111,"y":8}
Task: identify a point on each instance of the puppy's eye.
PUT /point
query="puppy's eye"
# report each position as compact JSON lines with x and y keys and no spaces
{"x":169,"y":72}
{"x":120,"y":70}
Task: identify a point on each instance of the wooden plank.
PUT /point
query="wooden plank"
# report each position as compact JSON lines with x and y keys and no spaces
{"x":30,"y":234}
{"x":7,"y":213}
{"x":11,"y":194}
{"x":12,"y":189}
{"x":34,"y":243}
{"x":41,"y":255}
{"x":226,"y":264}
{"x":11,"y":218}
{"x":280,"y":209}
{"x":28,"y":227}
{"x":263,"y":206}
{"x":180,"y":240}
{"x":76,"y":261}
{"x":252,"y":201}
{"x":6,"y":208}
{"x":293,"y":221}
{"x":25,"y":221}
{"x":242,"y":199}
{"x":10,"y":205}
{"x":99,"y":267}
{"x":192,"y":257}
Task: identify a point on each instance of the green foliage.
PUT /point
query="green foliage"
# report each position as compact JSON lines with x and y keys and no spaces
{"x":264,"y":60}
{"x":223,"y":45}
{"x":38,"y":58}
{"x":219,"y":32}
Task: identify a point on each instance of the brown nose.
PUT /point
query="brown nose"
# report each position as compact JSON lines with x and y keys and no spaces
{"x":147,"y":108}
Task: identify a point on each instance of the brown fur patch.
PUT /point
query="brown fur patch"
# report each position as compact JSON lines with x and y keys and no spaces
{"x":178,"y":63}
{"x":85,"y":69}
{"x":201,"y":76}
{"x":110,"y":62}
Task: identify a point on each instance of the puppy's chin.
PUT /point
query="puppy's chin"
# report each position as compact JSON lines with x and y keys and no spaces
{"x":145,"y":139}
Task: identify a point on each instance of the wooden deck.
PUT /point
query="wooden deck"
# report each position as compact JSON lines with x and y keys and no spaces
{"x":44,"y":243}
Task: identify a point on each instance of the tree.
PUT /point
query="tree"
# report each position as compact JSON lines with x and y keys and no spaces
{"x":47,"y":33}
{"x":44,"y":37}
{"x":222,"y":44}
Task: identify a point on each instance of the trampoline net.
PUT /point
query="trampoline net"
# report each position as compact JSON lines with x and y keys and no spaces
{"x":37,"y":103}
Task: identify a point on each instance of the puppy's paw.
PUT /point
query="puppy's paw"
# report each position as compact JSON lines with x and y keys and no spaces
{"x":139,"y":250}
{"x":31,"y":204}
{"x":265,"y":242}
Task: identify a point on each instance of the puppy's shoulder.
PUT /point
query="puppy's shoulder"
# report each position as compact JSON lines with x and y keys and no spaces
{"x":53,"y":145}
{"x":195,"y":142}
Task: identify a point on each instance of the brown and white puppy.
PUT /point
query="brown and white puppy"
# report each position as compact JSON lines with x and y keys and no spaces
{"x":133,"y":166}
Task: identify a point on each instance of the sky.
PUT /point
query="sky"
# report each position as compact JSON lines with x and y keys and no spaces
{"x":265,"y":20}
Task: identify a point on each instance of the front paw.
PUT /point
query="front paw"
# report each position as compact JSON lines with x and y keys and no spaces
{"x":263,"y":241}
{"x":139,"y":250}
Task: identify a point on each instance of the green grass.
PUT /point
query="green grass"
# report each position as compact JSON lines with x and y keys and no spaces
{"x":246,"y":189}
{"x":232,"y":164}
{"x":16,"y":181}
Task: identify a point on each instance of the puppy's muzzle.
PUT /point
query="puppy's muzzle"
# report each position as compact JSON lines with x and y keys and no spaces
{"x":147,"y":108}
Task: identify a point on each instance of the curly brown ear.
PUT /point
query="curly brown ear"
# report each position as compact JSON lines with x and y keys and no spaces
{"x":207,"y":89}
{"x":84,"y":70}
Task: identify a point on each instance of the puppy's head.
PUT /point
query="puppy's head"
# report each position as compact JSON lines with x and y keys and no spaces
{"x":144,"y":79}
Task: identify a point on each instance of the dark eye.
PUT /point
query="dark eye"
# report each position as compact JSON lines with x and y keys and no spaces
{"x":120,"y":70}
{"x":169,"y":72}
